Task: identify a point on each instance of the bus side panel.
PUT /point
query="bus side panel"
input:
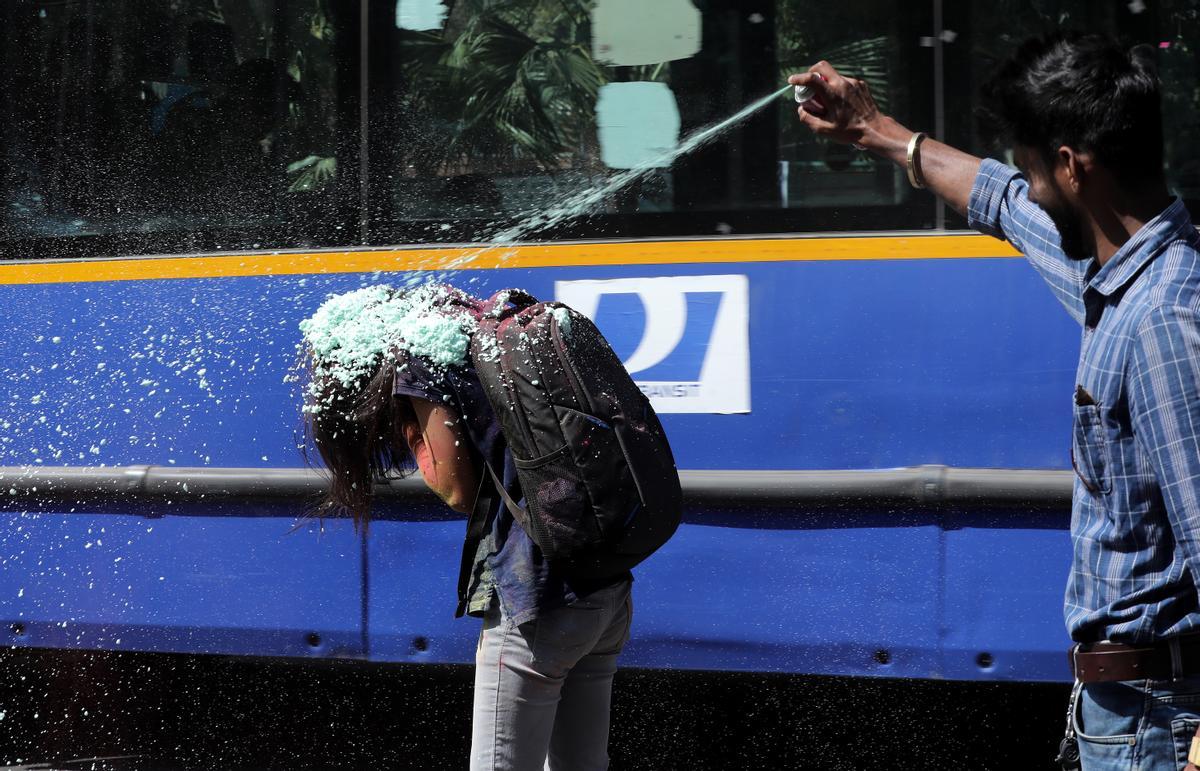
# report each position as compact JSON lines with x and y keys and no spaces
{"x":852,"y":365}
{"x":1005,"y":574}
{"x":186,"y":584}
{"x":413,"y":577}
{"x":799,"y":595}
{"x":870,"y":364}
{"x":970,"y":596}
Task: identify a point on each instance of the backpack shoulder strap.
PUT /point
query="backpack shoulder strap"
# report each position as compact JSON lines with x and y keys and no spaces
{"x":489,"y":487}
{"x":518,"y":513}
{"x":476,"y":527}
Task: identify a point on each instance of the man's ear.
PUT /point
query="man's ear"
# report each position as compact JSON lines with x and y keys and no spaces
{"x":1074,"y":166}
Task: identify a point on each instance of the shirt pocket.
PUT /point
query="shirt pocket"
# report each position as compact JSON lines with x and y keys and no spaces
{"x":1089,"y":451}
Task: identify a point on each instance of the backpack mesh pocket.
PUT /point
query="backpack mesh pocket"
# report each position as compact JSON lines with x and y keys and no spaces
{"x":559,"y":507}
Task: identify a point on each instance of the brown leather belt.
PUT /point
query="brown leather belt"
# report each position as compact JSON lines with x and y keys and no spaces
{"x":1107,"y":662}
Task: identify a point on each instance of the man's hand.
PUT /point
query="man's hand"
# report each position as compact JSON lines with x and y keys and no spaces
{"x":842,"y":108}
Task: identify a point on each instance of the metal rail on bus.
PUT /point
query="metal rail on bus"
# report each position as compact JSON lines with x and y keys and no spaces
{"x":42,"y":488}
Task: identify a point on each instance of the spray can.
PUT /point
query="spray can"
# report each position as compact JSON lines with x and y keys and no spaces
{"x":806,"y":94}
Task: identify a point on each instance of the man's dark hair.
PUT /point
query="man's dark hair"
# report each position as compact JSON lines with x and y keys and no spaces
{"x":1085,"y":92}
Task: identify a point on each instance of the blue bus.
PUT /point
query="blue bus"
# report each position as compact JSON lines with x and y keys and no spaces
{"x":868,"y":403}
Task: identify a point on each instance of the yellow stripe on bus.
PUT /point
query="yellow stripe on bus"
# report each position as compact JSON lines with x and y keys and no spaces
{"x":803,"y":249}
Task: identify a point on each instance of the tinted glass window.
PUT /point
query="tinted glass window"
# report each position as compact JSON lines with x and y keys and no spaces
{"x":1177,"y":28}
{"x":863,"y":40}
{"x":493,"y":111}
{"x":988,"y":32}
{"x":129,"y":117}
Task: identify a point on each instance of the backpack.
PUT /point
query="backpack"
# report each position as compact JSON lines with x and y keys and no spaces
{"x":600,"y":484}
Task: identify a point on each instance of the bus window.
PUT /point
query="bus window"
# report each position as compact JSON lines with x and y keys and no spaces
{"x":1177,"y":38}
{"x":862,"y":40}
{"x":987,"y":33}
{"x":126,"y":118}
{"x":506,"y":109}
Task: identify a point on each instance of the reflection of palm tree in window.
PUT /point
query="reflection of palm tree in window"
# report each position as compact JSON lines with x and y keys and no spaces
{"x":506,"y":87}
{"x":120,"y":115}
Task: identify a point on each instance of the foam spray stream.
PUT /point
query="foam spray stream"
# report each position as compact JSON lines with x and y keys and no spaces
{"x":581,"y":203}
{"x":351,"y":332}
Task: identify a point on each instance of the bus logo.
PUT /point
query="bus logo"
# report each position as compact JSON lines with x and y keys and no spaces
{"x":684,"y":339}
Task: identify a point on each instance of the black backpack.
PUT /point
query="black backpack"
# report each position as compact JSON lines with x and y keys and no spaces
{"x":600,"y":484}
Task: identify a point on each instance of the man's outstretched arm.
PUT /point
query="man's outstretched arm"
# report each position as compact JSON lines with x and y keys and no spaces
{"x":848,"y":114}
{"x":993,"y":197}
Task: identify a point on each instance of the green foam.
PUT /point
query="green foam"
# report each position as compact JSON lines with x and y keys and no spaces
{"x":351,"y":333}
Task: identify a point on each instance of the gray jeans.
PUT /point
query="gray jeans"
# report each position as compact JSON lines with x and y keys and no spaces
{"x":543,"y":689}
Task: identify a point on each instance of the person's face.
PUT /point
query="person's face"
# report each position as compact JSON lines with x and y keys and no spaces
{"x":1048,"y":189}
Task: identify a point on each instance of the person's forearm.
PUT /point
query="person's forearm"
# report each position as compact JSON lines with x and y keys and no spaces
{"x":948,"y":173}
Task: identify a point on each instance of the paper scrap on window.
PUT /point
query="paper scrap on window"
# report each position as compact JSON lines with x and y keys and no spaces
{"x":631,"y":32}
{"x":420,"y":14}
{"x":638,"y":125}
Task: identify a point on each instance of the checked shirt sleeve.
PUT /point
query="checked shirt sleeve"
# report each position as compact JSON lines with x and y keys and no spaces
{"x":999,"y":206}
{"x":1164,"y":402}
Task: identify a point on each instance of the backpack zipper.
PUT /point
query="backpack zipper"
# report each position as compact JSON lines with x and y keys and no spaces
{"x":513,"y":401}
{"x":560,"y":348}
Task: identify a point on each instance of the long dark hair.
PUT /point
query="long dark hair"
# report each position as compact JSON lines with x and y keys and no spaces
{"x":358,"y":430}
{"x":358,"y":427}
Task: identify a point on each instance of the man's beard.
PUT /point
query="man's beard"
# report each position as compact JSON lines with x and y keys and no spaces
{"x":1070,"y":231}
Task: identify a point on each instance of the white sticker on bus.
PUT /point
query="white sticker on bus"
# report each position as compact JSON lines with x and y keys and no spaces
{"x":684,"y":339}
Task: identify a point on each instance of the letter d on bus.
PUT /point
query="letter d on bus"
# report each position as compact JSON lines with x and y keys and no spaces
{"x":684,"y":339}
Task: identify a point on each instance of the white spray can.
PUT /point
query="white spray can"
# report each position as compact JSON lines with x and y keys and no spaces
{"x":806,"y":93}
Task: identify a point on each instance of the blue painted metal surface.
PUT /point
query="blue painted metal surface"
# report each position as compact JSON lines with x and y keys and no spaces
{"x":180,"y":584}
{"x":853,"y":365}
{"x":1004,"y":577}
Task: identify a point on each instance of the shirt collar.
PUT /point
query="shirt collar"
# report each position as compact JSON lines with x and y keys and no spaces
{"x":1144,"y":246}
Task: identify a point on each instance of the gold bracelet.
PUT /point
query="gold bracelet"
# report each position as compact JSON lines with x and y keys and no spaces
{"x":915,"y":178}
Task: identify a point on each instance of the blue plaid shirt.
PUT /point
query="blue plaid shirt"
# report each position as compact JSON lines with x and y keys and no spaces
{"x":1135,"y":517}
